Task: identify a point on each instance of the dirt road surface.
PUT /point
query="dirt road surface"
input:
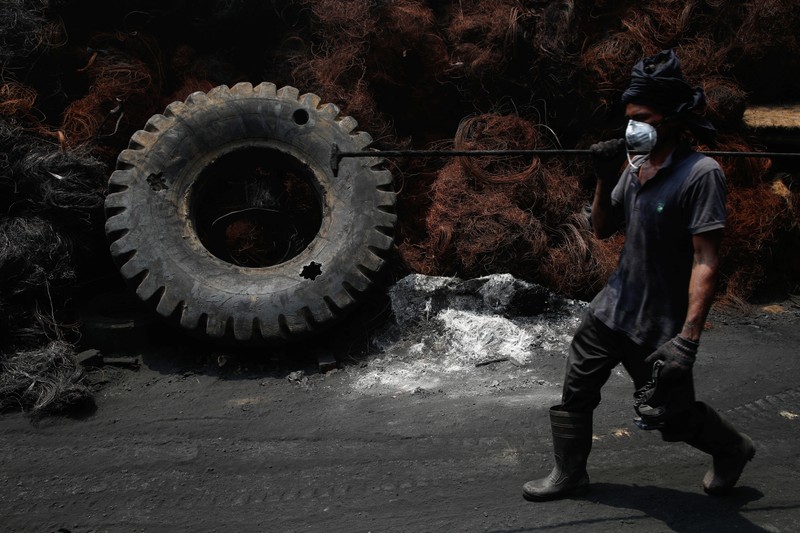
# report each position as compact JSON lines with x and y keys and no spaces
{"x":199,"y":440}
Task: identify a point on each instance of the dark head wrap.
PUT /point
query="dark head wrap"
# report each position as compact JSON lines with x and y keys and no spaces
{"x":658,"y":81}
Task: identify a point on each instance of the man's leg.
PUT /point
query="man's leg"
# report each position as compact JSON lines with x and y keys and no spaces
{"x":592,"y":355}
{"x":702,"y":427}
{"x":730,"y":450}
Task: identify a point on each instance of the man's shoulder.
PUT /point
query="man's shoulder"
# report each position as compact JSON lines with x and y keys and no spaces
{"x":698,"y":169}
{"x":700,"y":163}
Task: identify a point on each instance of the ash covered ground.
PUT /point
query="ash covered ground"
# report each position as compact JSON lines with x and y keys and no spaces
{"x":430,"y":422}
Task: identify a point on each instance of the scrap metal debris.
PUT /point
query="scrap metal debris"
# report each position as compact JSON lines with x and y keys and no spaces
{"x":94,"y":358}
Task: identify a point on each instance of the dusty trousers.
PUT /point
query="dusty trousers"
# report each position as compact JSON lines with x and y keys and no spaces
{"x":593,"y":353}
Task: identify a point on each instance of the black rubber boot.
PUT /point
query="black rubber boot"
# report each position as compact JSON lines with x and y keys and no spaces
{"x":572,"y":442}
{"x":729,"y":449}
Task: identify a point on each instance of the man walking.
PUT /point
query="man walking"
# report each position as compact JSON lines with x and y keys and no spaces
{"x":670,"y":200}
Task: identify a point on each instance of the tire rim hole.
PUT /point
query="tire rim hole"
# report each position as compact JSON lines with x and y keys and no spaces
{"x":256,"y":207}
{"x":311,"y":271}
{"x":300,"y":117}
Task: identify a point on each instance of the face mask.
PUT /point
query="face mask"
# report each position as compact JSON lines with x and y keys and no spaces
{"x":639,"y":137}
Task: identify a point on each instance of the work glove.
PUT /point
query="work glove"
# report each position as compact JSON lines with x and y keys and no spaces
{"x":678,"y":355}
{"x":607,"y":157}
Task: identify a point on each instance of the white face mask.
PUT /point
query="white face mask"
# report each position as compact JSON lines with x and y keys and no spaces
{"x":640,"y":137}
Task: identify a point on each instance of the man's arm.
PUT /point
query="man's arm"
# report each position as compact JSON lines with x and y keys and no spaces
{"x":679,"y":352}
{"x":605,"y":220}
{"x":607,"y":160}
{"x":703,"y":282}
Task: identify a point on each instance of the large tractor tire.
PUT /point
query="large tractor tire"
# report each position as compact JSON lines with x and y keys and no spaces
{"x":225,"y":216}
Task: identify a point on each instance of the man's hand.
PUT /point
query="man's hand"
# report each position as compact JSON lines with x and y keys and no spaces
{"x":678,"y":355}
{"x":607,"y":157}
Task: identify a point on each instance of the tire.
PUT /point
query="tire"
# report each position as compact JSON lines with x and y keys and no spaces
{"x":224,"y":215}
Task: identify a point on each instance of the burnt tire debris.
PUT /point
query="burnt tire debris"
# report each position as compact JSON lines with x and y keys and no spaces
{"x":225,"y":218}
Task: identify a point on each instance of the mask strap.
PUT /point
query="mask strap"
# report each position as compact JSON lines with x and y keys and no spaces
{"x":635,"y":166}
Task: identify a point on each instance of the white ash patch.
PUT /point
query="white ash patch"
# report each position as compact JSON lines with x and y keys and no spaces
{"x":468,"y":337}
{"x":473,"y":337}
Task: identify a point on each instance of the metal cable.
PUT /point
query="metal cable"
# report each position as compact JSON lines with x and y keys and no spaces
{"x":337,"y":155}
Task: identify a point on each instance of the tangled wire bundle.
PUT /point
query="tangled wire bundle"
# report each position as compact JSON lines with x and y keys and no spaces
{"x":43,"y":381}
{"x":507,"y":213}
{"x":52,"y":200}
{"x":758,"y":217}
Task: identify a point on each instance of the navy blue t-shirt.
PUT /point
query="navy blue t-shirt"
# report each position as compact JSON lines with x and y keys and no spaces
{"x":647,"y":296}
